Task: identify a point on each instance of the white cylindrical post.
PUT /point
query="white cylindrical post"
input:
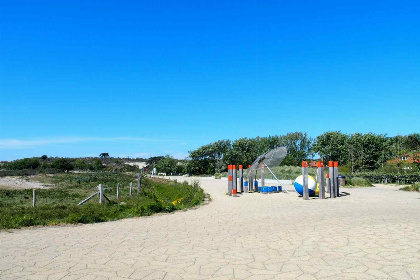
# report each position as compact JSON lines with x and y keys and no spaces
{"x":101,"y":193}
{"x":131,"y":188}
{"x":331,"y":178}
{"x":118,"y":190}
{"x":305,"y":180}
{"x":321,"y":180}
{"x":240,"y":188}
{"x":33,"y":198}
{"x":234,"y":180}
{"x":230,"y":179}
{"x":337,"y":187}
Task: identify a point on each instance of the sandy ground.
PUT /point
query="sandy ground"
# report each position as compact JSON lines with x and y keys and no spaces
{"x":20,"y":183}
{"x":368,"y":233}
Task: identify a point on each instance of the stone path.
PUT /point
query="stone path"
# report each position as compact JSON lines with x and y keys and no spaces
{"x":372,"y":233}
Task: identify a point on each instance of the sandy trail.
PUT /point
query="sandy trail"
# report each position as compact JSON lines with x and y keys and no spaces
{"x":20,"y":183}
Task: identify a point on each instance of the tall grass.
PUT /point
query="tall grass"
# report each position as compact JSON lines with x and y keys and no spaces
{"x":59,"y":204}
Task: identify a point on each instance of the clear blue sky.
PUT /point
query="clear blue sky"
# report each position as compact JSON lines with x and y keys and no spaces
{"x":141,"y":78}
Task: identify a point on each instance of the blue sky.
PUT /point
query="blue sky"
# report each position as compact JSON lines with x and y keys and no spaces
{"x":141,"y":78}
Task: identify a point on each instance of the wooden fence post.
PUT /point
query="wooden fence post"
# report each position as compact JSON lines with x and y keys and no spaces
{"x":33,"y":197}
{"x":118,"y":190}
{"x":101,"y":194}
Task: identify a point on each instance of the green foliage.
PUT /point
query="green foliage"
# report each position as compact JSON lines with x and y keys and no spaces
{"x":213,"y":158}
{"x":413,"y":188}
{"x":298,"y":145}
{"x":358,"y":182}
{"x":205,"y":159}
{"x":59,"y":204}
{"x":169,"y":165}
{"x":80,"y":164}
{"x":62,"y":164}
{"x":95,"y":165}
{"x":413,"y":142}
{"x":332,"y":146}
{"x":26,"y":163}
{"x":366,"y":151}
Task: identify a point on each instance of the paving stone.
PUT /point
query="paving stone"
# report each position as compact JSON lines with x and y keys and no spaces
{"x":373,"y":233}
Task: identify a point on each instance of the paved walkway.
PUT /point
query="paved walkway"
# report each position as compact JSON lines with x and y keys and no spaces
{"x":372,"y":233}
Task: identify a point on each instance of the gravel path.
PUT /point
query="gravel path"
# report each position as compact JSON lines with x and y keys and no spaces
{"x":371,"y":233}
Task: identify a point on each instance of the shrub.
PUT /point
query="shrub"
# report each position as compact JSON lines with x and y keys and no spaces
{"x":26,"y":163}
{"x":62,"y":164}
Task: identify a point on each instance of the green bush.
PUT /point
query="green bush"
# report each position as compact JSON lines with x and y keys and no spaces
{"x":62,"y":164}
{"x":26,"y":163}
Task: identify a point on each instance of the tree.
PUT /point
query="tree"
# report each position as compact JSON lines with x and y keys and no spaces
{"x":413,"y":142}
{"x":104,"y":155}
{"x":366,"y":151}
{"x":298,"y":146}
{"x":26,"y":163}
{"x":80,"y":164}
{"x":332,"y":146}
{"x":167,"y":165}
{"x":44,"y":157}
{"x":205,"y":159}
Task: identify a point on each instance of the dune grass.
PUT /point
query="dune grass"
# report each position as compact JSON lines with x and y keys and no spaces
{"x":58,"y":205}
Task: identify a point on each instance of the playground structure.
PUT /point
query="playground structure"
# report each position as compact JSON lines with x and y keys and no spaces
{"x":304,"y":184}
{"x":268,"y":160}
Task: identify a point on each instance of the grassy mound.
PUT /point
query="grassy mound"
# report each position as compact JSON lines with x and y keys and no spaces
{"x":58,"y":205}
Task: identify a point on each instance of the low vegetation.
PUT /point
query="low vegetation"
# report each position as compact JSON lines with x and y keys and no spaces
{"x":358,"y":182}
{"x":413,"y":188}
{"x":58,"y":205}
